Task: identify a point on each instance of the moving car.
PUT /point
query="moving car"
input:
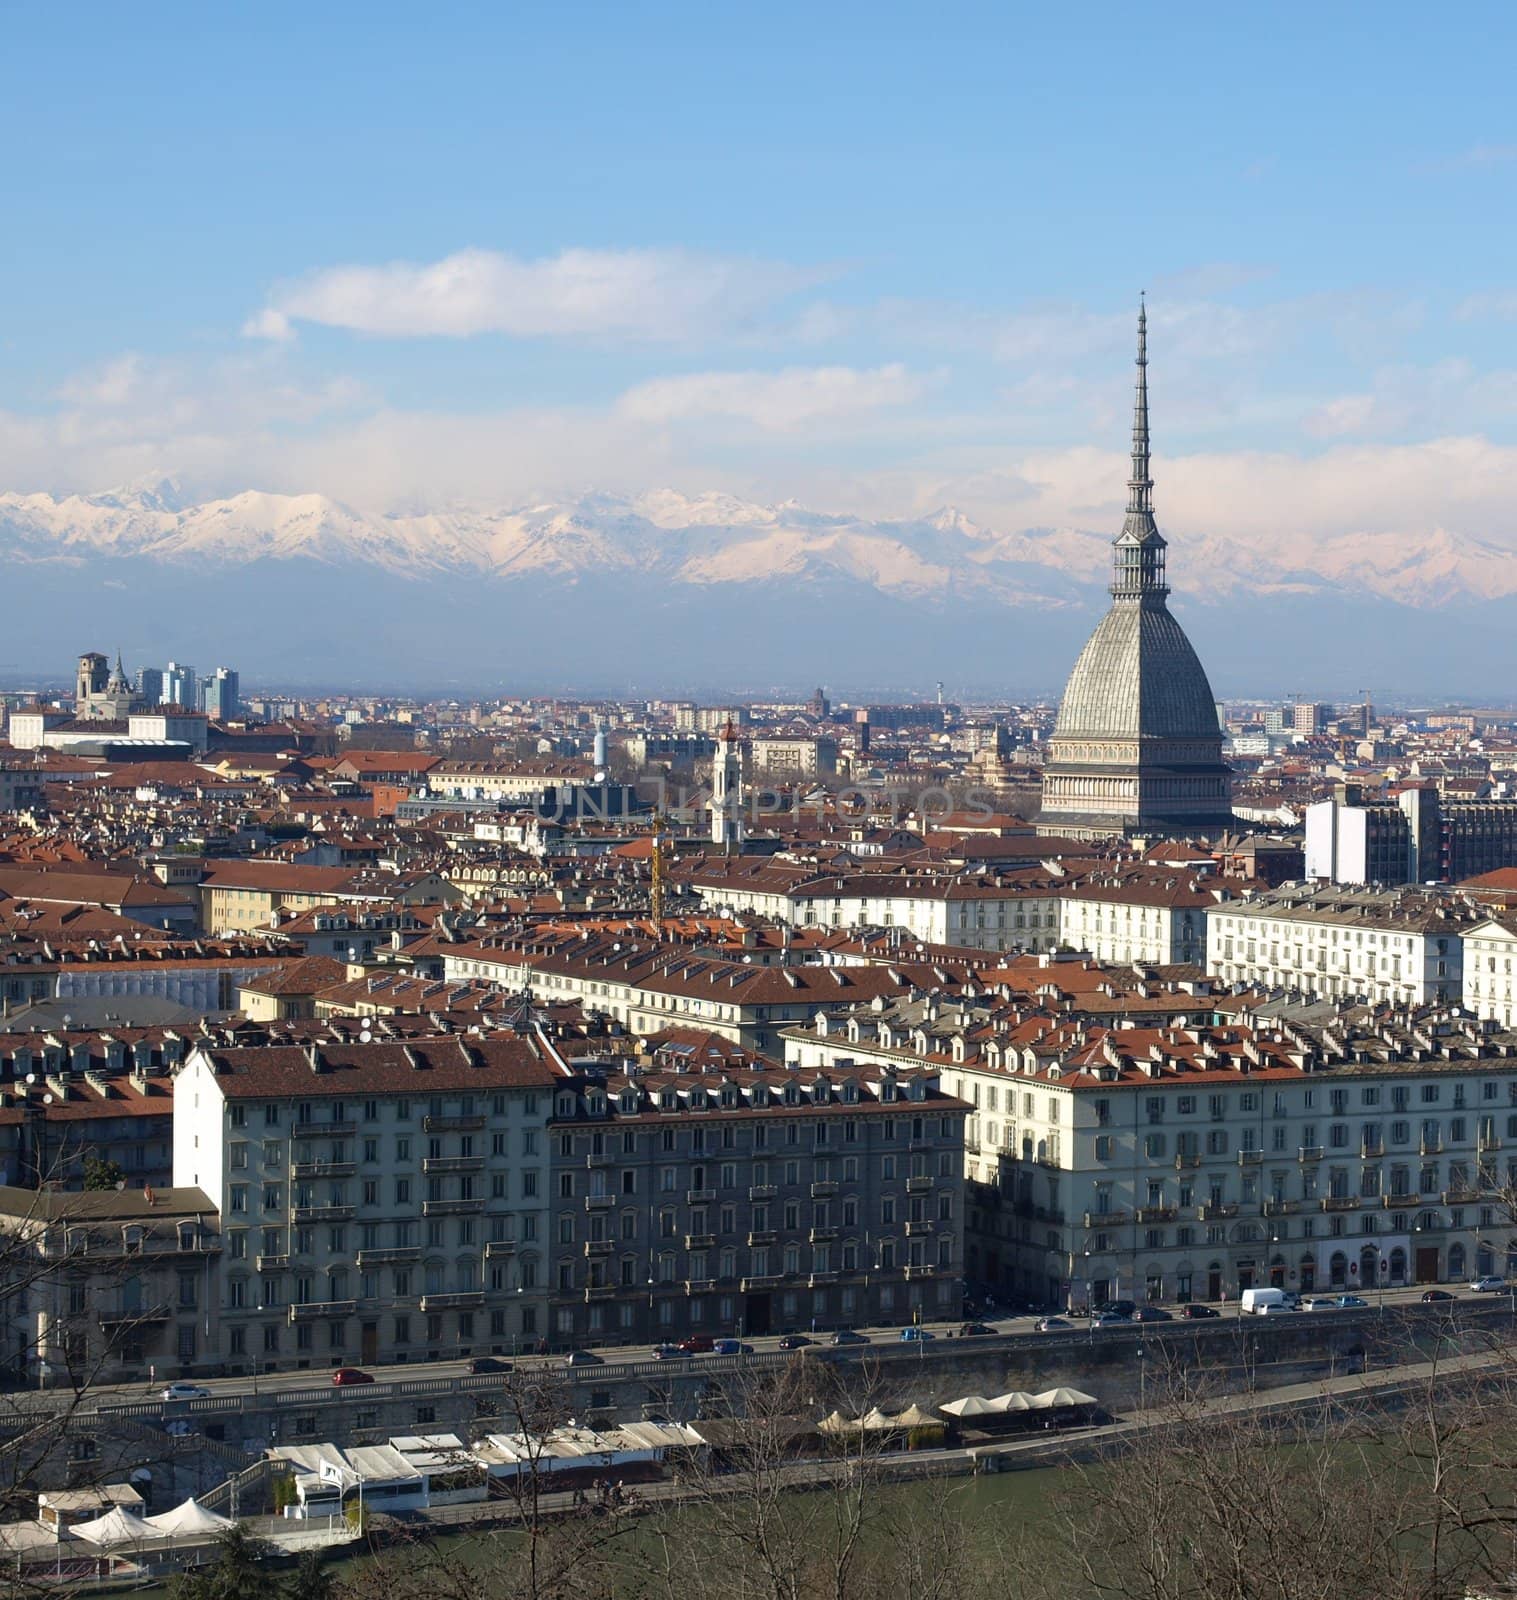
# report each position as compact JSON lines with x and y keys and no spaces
{"x":1151,"y":1314}
{"x":731,"y":1347}
{"x":483,"y":1364}
{"x":973,"y":1330}
{"x":1116,"y":1308}
{"x":916,"y":1335}
{"x":186,"y":1391}
{"x":848,"y":1336}
{"x":1489,"y":1285}
{"x":1351,"y":1302}
{"x":1321,"y":1302}
{"x":1253,"y":1302}
{"x":1112,"y":1319}
{"x":668,"y":1352}
{"x":1051,"y":1324}
{"x":583,"y":1358}
{"x":1196,"y":1312}
{"x":1430,"y":1295}
{"x":697,"y":1344}
{"x":795,"y":1341}
{"x":344,"y":1376}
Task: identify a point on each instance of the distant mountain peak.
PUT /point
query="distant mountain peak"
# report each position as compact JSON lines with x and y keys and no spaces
{"x":697,"y":540}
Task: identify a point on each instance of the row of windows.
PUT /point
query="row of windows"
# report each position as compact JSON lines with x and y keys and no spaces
{"x":312,"y":1113}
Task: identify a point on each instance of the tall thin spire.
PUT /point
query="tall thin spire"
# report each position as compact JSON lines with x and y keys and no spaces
{"x":1140,"y":486}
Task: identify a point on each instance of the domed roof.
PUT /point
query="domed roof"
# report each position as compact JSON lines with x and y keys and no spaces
{"x":1138,"y":677}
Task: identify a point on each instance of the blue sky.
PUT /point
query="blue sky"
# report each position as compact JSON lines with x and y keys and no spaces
{"x":874,"y":257}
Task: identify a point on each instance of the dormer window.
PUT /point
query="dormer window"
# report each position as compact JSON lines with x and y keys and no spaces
{"x":850,"y":1094}
{"x":629,"y":1100}
{"x":565,"y":1105}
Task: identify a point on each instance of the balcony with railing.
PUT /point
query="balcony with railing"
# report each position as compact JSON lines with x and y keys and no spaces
{"x":699,"y":1241}
{"x":599,"y":1247}
{"x":499,"y":1247}
{"x":817,"y":1280}
{"x":1217,"y":1213}
{"x":1157,"y":1213}
{"x":699,"y":1285}
{"x":1461,"y":1197}
{"x":1186,"y":1160}
{"x":157,"y":1311}
{"x":315,"y":1310}
{"x":271,"y":1263}
{"x":823,"y":1188}
{"x":1310,"y":1152}
{"x":761,"y":1191}
{"x":394,"y":1255}
{"x":919,"y":1184}
{"x":323,"y":1169}
{"x":1250,"y":1158}
{"x":700,"y":1197}
{"x":457,"y":1300}
{"x":599,"y":1202}
{"x":762,"y":1236}
{"x":914,"y":1229}
{"x":825,"y":1235}
{"x":1278,"y":1208}
{"x":769,"y":1280}
{"x":921,"y":1272}
{"x":1106,"y":1219}
{"x":323,"y":1213}
{"x":452,"y":1163}
{"x":1340,"y":1202}
{"x":1430,"y":1147}
{"x":326,"y":1130}
{"x":452,"y":1124}
{"x":1371,"y":1150}
{"x":451,"y":1208}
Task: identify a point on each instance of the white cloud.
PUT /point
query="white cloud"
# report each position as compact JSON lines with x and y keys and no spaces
{"x":667,"y":296}
{"x":1497,"y":305}
{"x":787,"y":399}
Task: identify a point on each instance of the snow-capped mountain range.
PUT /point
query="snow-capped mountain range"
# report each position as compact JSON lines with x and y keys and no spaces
{"x":666,"y":591}
{"x":716,"y":539}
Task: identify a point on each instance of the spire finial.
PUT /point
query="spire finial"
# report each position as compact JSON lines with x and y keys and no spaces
{"x":1140,"y":487}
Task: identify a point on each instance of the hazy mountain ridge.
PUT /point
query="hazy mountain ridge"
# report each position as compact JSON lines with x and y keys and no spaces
{"x":715,"y":539}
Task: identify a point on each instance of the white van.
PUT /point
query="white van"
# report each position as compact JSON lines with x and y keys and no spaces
{"x":1255,"y":1302}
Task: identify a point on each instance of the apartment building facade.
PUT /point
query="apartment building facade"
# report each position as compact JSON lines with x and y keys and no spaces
{"x":1152,"y":917}
{"x":746,"y":1201}
{"x":1490,"y":947}
{"x":1179,"y":1163}
{"x":380,"y":1202}
{"x":1401,"y":946}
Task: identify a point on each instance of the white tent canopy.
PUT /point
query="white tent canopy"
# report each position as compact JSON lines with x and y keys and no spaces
{"x":972,"y":1405}
{"x":115,"y":1527}
{"x":1051,"y":1398}
{"x":191,"y":1517}
{"x":1012,"y":1400}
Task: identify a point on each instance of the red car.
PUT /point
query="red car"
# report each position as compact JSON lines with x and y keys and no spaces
{"x":697,"y":1344}
{"x":347,"y":1375}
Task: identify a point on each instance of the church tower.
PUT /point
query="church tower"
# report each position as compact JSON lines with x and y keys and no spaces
{"x":727,"y":790}
{"x":1137,"y":748}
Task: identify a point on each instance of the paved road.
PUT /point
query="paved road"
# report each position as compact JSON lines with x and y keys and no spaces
{"x":319,"y":1379}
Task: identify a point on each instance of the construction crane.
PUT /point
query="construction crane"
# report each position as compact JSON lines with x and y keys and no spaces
{"x":659,"y":881}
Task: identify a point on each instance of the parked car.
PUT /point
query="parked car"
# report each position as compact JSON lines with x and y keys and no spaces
{"x":731,"y":1347}
{"x":344,"y":1376}
{"x":1489,"y":1285}
{"x":483,"y":1364}
{"x":916,"y":1335}
{"x":1112,"y":1319}
{"x":1051,"y":1324}
{"x":1151,"y":1314}
{"x":697,"y":1344}
{"x":848,"y":1336}
{"x":186,"y":1391}
{"x":583,"y":1358}
{"x":974,"y":1330}
{"x":795,"y":1341}
{"x":1429,"y":1296}
{"x":1194,"y":1311}
{"x":1116,"y":1308}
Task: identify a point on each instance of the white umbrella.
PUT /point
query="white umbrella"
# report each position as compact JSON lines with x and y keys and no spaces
{"x":1063,"y":1397}
{"x":1012,"y":1400}
{"x":191,"y":1517}
{"x":972,"y":1405}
